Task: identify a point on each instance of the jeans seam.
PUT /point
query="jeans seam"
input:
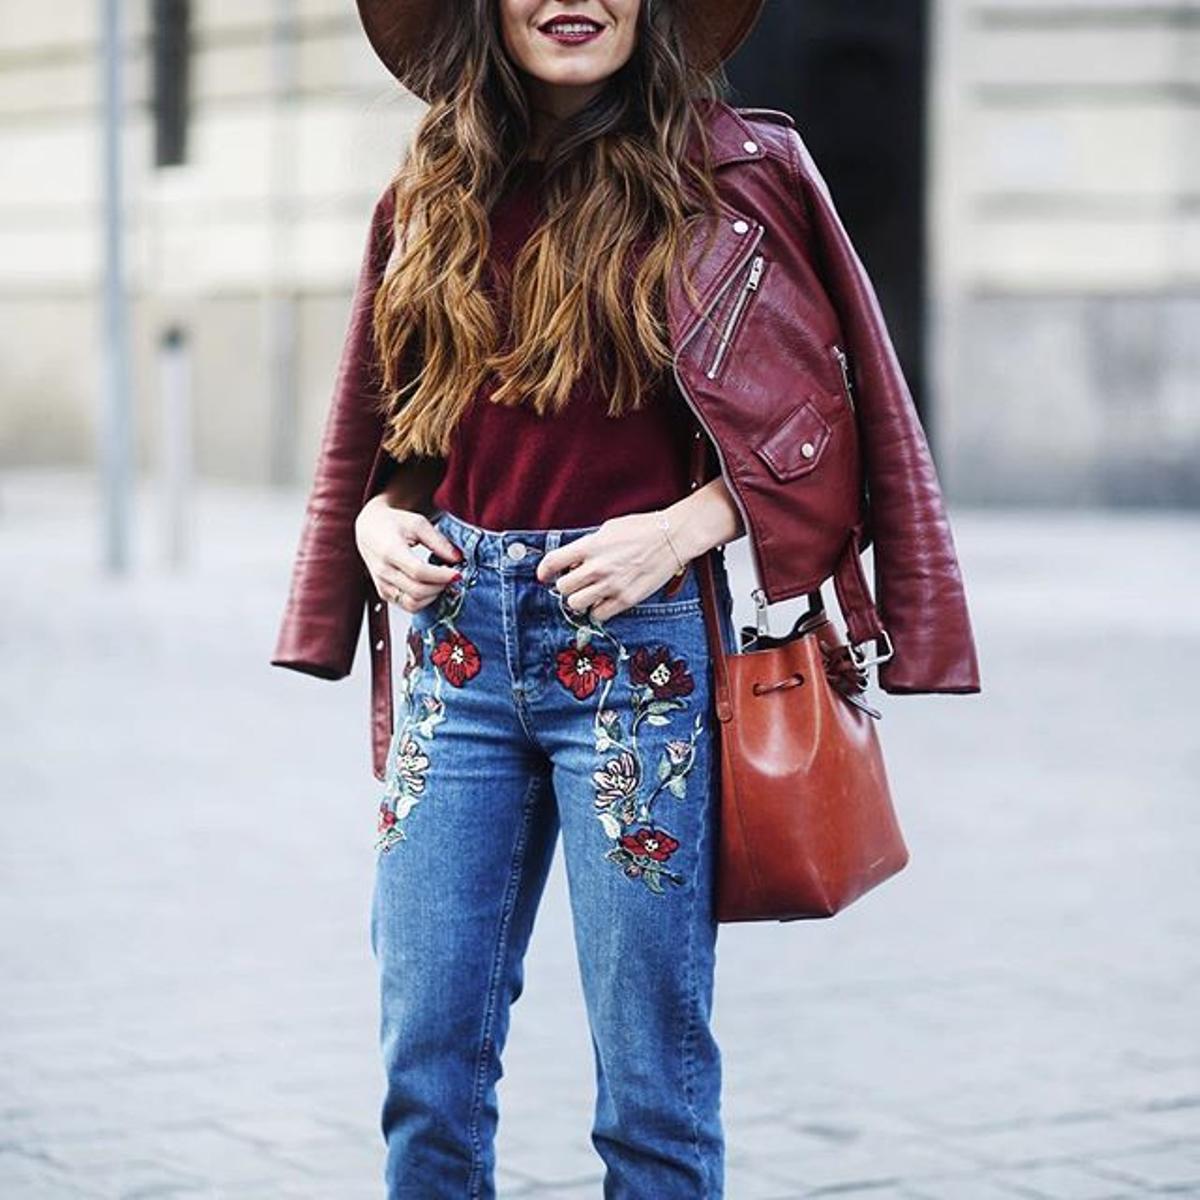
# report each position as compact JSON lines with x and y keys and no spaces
{"x":705,"y":845}
{"x":512,"y":655}
{"x":474,"y":1180}
{"x":689,"y":1026}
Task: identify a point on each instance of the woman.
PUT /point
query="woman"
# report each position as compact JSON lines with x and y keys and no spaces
{"x":555,"y":283}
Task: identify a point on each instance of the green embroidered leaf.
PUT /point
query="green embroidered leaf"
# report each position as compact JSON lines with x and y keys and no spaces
{"x":653,"y":882}
{"x":678,"y":785}
{"x":618,"y":855}
{"x":656,"y":719}
{"x":664,"y":767}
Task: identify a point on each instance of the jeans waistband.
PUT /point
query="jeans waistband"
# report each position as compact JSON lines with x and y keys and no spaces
{"x":516,"y":550}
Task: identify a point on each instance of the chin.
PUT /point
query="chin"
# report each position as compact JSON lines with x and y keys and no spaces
{"x":575,"y":78}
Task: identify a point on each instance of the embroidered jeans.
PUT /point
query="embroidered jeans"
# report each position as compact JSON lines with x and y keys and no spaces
{"x":519,"y":717}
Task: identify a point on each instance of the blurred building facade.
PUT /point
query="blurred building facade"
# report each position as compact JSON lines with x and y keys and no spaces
{"x":250,"y":244}
{"x":1065,"y":256}
{"x":1059,"y":355}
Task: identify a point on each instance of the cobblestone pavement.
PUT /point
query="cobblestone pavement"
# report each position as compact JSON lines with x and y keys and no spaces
{"x":187,"y":997}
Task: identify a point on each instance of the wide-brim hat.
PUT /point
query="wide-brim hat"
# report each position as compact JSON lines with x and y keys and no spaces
{"x":398,"y":29}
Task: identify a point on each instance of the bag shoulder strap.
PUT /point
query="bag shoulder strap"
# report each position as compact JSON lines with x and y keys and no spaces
{"x":849,"y":582}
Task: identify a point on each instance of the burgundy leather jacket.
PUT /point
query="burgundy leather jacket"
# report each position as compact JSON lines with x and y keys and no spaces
{"x":789,"y":368}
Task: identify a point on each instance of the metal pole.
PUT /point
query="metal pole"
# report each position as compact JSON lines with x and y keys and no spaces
{"x":279,"y":299}
{"x":175,"y":450}
{"x":116,"y":426}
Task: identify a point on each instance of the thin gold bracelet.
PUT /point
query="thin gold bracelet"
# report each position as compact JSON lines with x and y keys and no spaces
{"x":665,"y":525}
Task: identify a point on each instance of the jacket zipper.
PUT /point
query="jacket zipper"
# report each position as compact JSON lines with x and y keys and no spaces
{"x":751,"y":285}
{"x":840,"y":355}
{"x":730,"y":485}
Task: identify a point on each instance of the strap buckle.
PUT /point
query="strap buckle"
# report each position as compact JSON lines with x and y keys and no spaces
{"x":862,"y":660}
{"x":760,"y":612}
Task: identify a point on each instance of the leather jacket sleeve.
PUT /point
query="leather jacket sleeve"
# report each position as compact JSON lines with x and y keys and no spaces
{"x":918,"y":585}
{"x":330,"y":584}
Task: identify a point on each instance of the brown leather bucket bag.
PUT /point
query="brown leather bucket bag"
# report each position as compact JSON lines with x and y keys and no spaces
{"x":806,"y":822}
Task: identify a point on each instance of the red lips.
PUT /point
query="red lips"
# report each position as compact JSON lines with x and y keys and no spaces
{"x":564,"y":19}
{"x":568,"y":30}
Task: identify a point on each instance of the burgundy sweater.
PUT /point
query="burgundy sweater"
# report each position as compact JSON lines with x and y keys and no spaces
{"x":508,"y":468}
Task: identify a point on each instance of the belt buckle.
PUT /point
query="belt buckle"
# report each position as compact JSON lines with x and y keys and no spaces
{"x":862,"y":660}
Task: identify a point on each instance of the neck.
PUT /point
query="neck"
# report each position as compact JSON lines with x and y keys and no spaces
{"x":551,"y":104}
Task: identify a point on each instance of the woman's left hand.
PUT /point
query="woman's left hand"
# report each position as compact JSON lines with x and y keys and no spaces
{"x":626,"y":558}
{"x":615,"y":566}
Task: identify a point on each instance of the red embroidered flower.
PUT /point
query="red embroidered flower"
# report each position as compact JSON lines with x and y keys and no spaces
{"x":387,"y":818}
{"x":457,"y":657}
{"x":580,"y":668}
{"x":656,"y":669}
{"x":652,"y":843}
{"x":416,"y":648}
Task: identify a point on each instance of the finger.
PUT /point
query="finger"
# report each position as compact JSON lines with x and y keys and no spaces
{"x":582,"y":599}
{"x":434,"y":575}
{"x":397,"y":588}
{"x":413,"y":567}
{"x":430,"y":536}
{"x":605,"y":610}
{"x":574,"y":579}
{"x":563,"y":558}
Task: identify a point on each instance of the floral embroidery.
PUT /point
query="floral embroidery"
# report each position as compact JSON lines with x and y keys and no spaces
{"x":410,"y":765}
{"x":624,"y":799}
{"x":455,"y":659}
{"x":616,"y":782}
{"x":659,"y":673}
{"x":581,"y":669}
{"x":656,"y":843}
{"x":416,"y":649}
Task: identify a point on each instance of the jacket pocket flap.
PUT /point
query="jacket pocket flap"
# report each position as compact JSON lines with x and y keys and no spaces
{"x":794,"y":446}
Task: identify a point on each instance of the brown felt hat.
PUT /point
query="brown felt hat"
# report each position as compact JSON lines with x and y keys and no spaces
{"x":397,"y":28}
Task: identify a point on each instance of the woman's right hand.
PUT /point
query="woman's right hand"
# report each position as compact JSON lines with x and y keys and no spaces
{"x":385,"y":536}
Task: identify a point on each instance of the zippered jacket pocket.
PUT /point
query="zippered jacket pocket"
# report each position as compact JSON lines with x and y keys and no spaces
{"x":843,"y":362}
{"x":747,"y":287}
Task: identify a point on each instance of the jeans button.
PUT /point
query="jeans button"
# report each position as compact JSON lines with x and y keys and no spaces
{"x":516,"y":550}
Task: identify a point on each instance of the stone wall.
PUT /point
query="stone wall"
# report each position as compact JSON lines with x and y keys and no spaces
{"x":1066,"y":239}
{"x":262,"y":229}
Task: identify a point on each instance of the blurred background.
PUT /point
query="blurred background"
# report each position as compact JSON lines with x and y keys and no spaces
{"x":187,"y":997}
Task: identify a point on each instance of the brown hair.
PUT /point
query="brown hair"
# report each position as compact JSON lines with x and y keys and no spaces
{"x":616,"y":181}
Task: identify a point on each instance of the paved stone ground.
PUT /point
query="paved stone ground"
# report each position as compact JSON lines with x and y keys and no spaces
{"x":187,"y":997}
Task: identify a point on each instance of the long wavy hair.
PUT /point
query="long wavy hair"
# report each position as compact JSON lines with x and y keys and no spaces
{"x":618,"y":186}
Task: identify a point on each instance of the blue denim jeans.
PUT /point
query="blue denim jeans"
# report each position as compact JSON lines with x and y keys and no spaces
{"x":517,"y":717}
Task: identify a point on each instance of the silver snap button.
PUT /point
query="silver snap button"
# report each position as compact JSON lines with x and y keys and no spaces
{"x":750,"y":147}
{"x":379,"y":644}
{"x":516,"y":550}
{"x":808,"y":449}
{"x":378,"y":605}
{"x":741,"y":227}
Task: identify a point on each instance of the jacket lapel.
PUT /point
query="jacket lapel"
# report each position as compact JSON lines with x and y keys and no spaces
{"x":733,"y":232}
